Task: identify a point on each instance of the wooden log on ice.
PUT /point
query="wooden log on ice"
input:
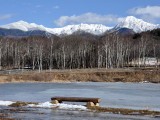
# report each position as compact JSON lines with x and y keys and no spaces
{"x":90,"y":101}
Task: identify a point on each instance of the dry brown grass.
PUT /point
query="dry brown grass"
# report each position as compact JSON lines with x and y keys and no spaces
{"x":85,"y":75}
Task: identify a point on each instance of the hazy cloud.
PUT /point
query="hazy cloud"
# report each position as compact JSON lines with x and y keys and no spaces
{"x":38,"y":6}
{"x":90,"y":18}
{"x":6,"y":16}
{"x":56,"y":7}
{"x":149,"y":13}
{"x":153,"y":11}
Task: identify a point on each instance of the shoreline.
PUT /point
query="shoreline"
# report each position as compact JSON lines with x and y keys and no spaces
{"x":25,"y":106}
{"x":62,"y":82}
{"x":14,"y":113}
{"x":84,"y":75}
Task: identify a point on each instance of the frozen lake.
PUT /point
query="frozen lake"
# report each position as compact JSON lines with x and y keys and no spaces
{"x":123,"y":95}
{"x":119,"y":95}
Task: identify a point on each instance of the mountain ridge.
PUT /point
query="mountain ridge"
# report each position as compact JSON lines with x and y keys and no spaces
{"x":130,"y":22}
{"x":69,"y":29}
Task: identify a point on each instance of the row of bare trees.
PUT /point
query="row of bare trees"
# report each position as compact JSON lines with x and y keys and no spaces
{"x":77,"y":51}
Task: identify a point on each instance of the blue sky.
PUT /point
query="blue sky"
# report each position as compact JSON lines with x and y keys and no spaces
{"x":57,"y":13}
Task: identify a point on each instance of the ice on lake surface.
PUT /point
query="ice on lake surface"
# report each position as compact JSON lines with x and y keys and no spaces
{"x":121,"y":95}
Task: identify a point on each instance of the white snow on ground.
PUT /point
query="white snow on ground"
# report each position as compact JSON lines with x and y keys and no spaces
{"x":67,"y":106}
{"x":61,"y":106}
{"x":48,"y":105}
{"x":6,"y":103}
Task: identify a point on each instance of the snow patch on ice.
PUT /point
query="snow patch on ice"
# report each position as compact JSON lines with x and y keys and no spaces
{"x":5,"y":103}
{"x":42,"y":105}
{"x":48,"y":105}
{"x":61,"y":106}
{"x":68,"y":106}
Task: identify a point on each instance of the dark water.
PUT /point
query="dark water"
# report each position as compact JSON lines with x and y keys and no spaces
{"x":122,"y":95}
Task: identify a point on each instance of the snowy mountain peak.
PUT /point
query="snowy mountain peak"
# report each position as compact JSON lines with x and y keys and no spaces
{"x":21,"y":22}
{"x":138,"y":25}
{"x":90,"y":28}
{"x":131,"y":18}
{"x":24,"y":26}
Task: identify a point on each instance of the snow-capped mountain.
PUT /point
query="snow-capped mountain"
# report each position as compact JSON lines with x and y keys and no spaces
{"x":24,"y":26}
{"x":96,"y":29}
{"x":138,"y":25}
{"x":130,"y":22}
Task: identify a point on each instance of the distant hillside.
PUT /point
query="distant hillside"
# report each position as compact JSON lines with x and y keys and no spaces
{"x":16,"y":32}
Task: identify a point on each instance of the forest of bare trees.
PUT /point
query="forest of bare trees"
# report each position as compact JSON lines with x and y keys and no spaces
{"x":78,"y":51}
